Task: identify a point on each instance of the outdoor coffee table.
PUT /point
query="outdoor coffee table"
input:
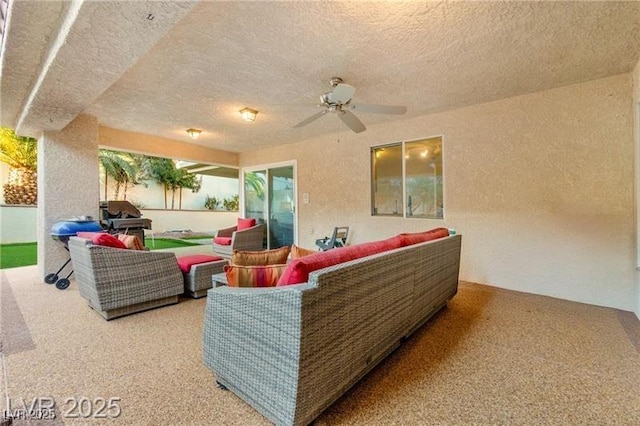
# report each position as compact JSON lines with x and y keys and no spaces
{"x":218,"y":280}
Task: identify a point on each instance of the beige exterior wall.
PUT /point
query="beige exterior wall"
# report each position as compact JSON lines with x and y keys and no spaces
{"x":636,"y":133}
{"x":18,"y":224}
{"x":197,"y":221}
{"x":540,"y":186}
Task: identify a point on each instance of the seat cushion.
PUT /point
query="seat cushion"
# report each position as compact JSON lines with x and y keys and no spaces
{"x":223,"y":241}
{"x":186,"y":262}
{"x":421,"y":237}
{"x":277,"y":256}
{"x":253,"y":276}
{"x":298,"y":270}
{"x":245,"y":223}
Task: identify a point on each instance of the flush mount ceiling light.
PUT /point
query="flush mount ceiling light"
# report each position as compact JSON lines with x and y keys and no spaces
{"x":194,"y":133}
{"x":248,"y":114}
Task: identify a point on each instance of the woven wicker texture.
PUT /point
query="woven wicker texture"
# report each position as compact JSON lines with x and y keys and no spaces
{"x":290,"y":352}
{"x":198,"y":280}
{"x":250,"y":239}
{"x":119,"y":282}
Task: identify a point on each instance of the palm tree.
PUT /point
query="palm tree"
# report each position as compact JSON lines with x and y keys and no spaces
{"x":165,"y":172}
{"x":125,"y":168}
{"x":20,"y":153}
{"x":255,"y":182}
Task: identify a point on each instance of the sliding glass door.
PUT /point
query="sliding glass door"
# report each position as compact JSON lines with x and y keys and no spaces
{"x":269,"y":197}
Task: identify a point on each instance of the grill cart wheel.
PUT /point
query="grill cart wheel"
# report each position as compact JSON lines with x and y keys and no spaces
{"x":62,"y":231}
{"x":51,"y":278}
{"x":62,"y":283}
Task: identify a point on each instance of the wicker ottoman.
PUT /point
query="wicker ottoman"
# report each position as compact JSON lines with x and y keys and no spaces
{"x":197,"y":270}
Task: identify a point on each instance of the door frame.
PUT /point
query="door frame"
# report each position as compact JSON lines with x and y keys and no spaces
{"x":266,"y":167}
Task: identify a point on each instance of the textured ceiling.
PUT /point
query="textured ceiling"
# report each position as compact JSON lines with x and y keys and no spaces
{"x":277,"y":57}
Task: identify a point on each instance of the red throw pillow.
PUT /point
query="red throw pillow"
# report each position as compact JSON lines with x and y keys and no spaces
{"x":88,"y":235}
{"x":298,"y":269}
{"x":245,"y":223}
{"x":107,"y":241}
{"x":223,"y":241}
{"x":421,"y":237}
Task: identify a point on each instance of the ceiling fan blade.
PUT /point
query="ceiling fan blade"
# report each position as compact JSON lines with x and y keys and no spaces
{"x":351,"y":121}
{"x":342,"y":93}
{"x":380,"y":109}
{"x":312,"y":118}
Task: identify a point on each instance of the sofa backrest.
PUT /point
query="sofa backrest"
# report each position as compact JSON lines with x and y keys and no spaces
{"x":298,"y":269}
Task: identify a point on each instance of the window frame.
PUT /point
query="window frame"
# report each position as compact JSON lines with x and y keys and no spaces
{"x":373,"y":180}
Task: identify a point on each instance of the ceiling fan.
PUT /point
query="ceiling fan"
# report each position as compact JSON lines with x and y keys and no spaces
{"x":339,"y":102}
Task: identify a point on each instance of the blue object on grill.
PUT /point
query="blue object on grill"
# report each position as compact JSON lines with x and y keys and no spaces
{"x":69,"y":228}
{"x":62,"y":231}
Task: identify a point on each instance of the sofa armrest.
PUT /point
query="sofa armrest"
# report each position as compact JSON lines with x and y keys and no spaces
{"x":226,"y":232}
{"x":252,"y":336}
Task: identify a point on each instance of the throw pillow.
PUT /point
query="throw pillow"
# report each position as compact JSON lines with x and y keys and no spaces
{"x":223,"y":241}
{"x":245,"y":223}
{"x":88,"y":235}
{"x":298,"y":270}
{"x":257,"y":258}
{"x":107,"y":240}
{"x":421,"y":237}
{"x":298,"y":252}
{"x":253,"y":276}
{"x":132,"y":242}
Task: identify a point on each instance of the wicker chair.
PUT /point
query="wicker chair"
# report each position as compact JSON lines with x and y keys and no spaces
{"x":119,"y":282}
{"x":250,"y":239}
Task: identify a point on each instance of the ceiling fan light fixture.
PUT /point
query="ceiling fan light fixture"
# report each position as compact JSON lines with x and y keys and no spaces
{"x":248,"y":114}
{"x":194,"y":133}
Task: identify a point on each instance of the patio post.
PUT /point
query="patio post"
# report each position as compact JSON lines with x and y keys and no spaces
{"x":68,"y":184}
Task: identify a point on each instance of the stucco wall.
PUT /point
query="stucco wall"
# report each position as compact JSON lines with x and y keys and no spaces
{"x":636,"y":133}
{"x":18,"y":224}
{"x":153,"y":195}
{"x":170,"y":148}
{"x":540,"y":186}
{"x":67,"y":184}
{"x":197,"y":221}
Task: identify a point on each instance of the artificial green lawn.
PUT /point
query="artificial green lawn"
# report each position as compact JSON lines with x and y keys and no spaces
{"x":18,"y":254}
{"x":25,"y":254}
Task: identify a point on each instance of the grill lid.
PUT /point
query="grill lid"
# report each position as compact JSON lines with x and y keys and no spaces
{"x":70,"y":227}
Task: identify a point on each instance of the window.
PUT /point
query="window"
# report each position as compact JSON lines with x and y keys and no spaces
{"x":406,"y":179}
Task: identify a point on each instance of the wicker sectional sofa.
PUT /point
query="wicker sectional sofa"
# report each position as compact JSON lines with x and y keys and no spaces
{"x":291,"y":351}
{"x":119,"y":282}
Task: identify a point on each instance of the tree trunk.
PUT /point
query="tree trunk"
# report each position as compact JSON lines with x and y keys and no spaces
{"x":21,"y":187}
{"x":106,"y":179}
{"x":165,"y":197}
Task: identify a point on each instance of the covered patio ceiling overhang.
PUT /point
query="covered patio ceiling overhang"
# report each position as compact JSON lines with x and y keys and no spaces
{"x":161,"y":67}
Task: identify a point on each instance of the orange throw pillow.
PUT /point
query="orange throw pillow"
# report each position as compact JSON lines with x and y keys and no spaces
{"x":257,"y":258}
{"x":298,"y":252}
{"x":253,"y":276}
{"x":132,"y":242}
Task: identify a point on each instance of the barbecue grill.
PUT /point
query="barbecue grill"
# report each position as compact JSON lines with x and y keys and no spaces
{"x":124,"y":218}
{"x":62,"y":231}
